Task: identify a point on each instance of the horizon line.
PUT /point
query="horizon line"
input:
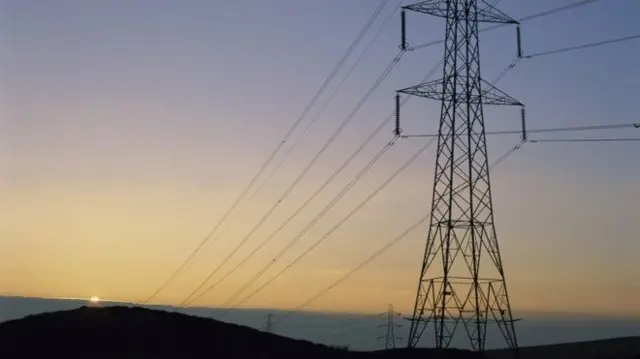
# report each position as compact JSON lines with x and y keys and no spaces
{"x":532,"y":313}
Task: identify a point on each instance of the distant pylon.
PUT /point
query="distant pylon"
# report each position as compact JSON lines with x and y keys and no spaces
{"x":390,"y":337}
{"x":268,"y":326}
{"x":469,"y":287}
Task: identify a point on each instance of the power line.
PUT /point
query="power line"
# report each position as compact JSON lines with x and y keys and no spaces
{"x":586,"y":140}
{"x":262,"y":244}
{"x":281,"y":143}
{"x":509,"y":153}
{"x":385,"y":248}
{"x":405,"y":99}
{"x":335,"y":92}
{"x":316,"y":219}
{"x":412,"y":159}
{"x":584,"y":46}
{"x":370,"y":259}
{"x":382,"y":125}
{"x":337,"y":198}
{"x":317,"y":156}
{"x":506,"y":70}
{"x":429,"y":74}
{"x":521,"y":20}
{"x":556,"y":10}
{"x":631,"y":125}
{"x":311,"y":123}
{"x":397,"y":239}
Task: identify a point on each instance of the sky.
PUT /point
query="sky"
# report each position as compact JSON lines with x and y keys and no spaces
{"x":130,"y":127}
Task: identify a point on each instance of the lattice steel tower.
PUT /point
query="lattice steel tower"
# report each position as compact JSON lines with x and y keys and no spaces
{"x":469,"y":287}
{"x":268,"y":326}
{"x":390,"y":336}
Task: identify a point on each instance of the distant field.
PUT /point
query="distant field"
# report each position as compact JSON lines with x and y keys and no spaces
{"x":618,"y":348}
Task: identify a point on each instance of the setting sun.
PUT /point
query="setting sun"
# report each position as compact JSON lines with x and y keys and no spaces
{"x":94,"y":300}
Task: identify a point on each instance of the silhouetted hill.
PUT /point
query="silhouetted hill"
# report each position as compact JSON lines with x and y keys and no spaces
{"x":143,"y":333}
{"x":616,"y":348}
{"x":124,"y":332}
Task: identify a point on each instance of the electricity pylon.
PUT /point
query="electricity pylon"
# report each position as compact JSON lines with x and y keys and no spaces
{"x":469,"y":287}
{"x":390,"y":337}
{"x":268,"y":326}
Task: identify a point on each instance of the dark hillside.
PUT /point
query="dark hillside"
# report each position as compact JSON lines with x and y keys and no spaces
{"x":616,"y":348}
{"x":123,"y":332}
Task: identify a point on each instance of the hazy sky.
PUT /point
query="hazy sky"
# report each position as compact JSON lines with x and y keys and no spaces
{"x":129,"y":128}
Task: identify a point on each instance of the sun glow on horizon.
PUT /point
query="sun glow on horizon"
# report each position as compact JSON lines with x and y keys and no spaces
{"x":94,"y":299}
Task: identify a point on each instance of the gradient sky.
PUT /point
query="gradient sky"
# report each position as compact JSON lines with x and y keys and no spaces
{"x":129,"y":127}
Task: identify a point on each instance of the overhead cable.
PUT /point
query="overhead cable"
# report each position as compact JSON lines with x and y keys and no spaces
{"x":340,"y":194}
{"x":292,"y":186}
{"x":355,"y":210}
{"x":586,"y":140}
{"x":380,"y":251}
{"x":277,"y":149}
{"x":349,"y":159}
{"x":310,"y":124}
{"x":521,"y":20}
{"x":364,"y":263}
{"x":550,"y":130}
{"x":405,"y":99}
{"x":584,"y":46}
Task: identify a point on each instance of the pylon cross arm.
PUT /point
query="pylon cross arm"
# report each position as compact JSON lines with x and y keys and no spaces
{"x":440,"y":8}
{"x":490,"y":95}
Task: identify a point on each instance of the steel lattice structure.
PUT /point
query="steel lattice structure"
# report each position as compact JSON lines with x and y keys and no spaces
{"x":390,"y":336}
{"x":469,"y":287}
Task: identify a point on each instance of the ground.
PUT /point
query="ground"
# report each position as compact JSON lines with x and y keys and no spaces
{"x":124,"y":332}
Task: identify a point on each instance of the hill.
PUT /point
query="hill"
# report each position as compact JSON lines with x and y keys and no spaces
{"x":125,"y":332}
{"x":130,"y":332}
{"x":617,"y":348}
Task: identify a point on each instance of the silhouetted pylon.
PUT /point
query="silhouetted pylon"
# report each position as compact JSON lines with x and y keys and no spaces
{"x":390,"y":337}
{"x":468,"y":286}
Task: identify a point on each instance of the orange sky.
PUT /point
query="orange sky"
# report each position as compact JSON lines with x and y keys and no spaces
{"x":126,"y":131}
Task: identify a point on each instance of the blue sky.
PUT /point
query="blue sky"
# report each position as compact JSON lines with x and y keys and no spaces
{"x":130,"y":126}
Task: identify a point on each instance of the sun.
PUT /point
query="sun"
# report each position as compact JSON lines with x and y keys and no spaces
{"x":94,"y":300}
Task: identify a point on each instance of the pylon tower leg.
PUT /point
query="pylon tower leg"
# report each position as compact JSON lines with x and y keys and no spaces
{"x":462,"y":279}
